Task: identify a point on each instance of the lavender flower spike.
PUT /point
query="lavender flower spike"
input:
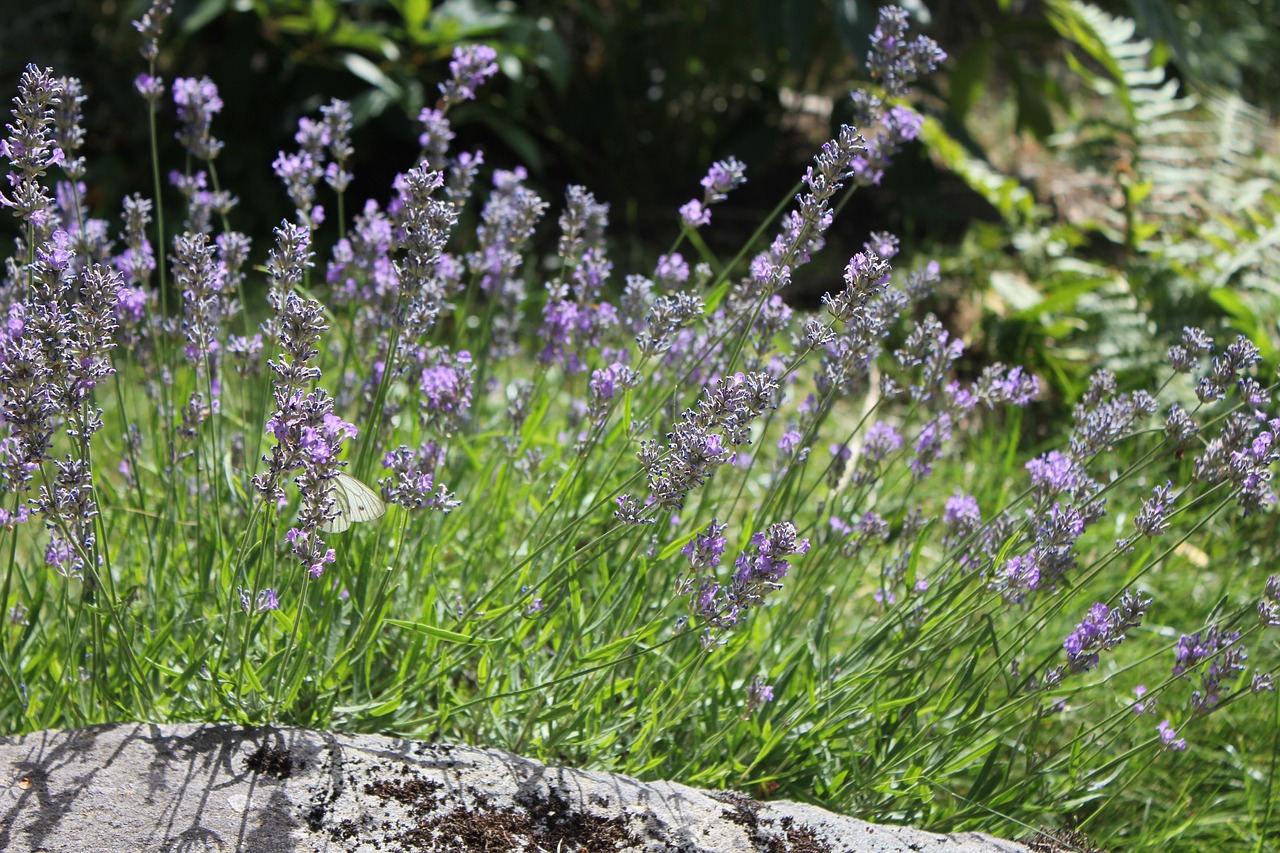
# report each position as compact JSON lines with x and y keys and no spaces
{"x":471,"y":66}
{"x":198,"y":103}
{"x":707,"y":548}
{"x":151,"y":25}
{"x":723,"y":178}
{"x":30,"y":148}
{"x":894,"y":60}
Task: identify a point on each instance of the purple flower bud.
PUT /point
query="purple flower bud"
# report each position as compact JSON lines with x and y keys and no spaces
{"x":197,"y":102}
{"x":151,"y":25}
{"x":694,"y":215}
{"x":758,"y":694}
{"x":723,"y":178}
{"x":707,"y":548}
{"x":1169,"y":737}
{"x":471,"y":66}
{"x":1152,"y":518}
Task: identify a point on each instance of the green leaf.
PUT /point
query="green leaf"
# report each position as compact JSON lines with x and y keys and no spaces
{"x":371,"y":74}
{"x":204,"y":13}
{"x":439,"y":633}
{"x":371,"y":709}
{"x":323,"y":15}
{"x":1005,"y":193}
{"x":415,"y":14}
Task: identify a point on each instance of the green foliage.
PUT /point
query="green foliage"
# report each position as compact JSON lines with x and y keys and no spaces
{"x":1173,"y":200}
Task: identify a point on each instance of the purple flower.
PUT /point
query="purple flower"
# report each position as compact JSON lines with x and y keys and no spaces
{"x":301,"y":171}
{"x":789,"y":442}
{"x":1179,"y":426}
{"x":801,"y":230}
{"x":1207,"y":391}
{"x":1019,"y":577}
{"x":426,"y":224}
{"x":582,"y":226}
{"x":198,"y":275}
{"x":603,"y":388}
{"x":1103,"y":417}
{"x":569,"y":328}
{"x":309,"y":436}
{"x":724,"y":177}
{"x":872,"y":526}
{"x":1240,"y":355}
{"x":507,"y":223}
{"x":758,"y":694}
{"x":306,"y":545}
{"x":150,"y":87}
{"x":1152,"y":519}
{"x":867,"y":308}
{"x":202,"y":203}
{"x":471,"y":66}
{"x":68,"y":508}
{"x":461,"y":175}
{"x":698,"y":444}
{"x":1242,"y":455}
{"x":694,"y":215}
{"x":901,"y":124}
{"x":894,"y":60}
{"x":672,"y":271}
{"x":667,"y":316}
{"x":30,"y":148}
{"x":1001,"y":385}
{"x":757,"y":573}
{"x":865,"y":276}
{"x":630,"y":510}
{"x":880,"y":440}
{"x":413,"y":482}
{"x":446,"y":391}
{"x":265,"y":600}
{"x":151,"y":25}
{"x":197,"y":102}
{"x":707,"y":548}
{"x":1225,"y":655}
{"x":1180,"y":359}
{"x":1056,"y":531}
{"x":68,"y":135}
{"x":436,"y":136}
{"x":929,"y":444}
{"x":1054,"y":474}
{"x":1102,"y":630}
{"x":961,"y":516}
{"x":1269,"y":604}
{"x":137,"y":261}
{"x":338,"y":124}
{"x":1169,"y":737}
{"x":55,"y":352}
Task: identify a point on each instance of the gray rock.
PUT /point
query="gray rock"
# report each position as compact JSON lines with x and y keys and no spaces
{"x":141,"y":787}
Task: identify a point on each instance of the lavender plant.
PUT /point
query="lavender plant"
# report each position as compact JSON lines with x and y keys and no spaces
{"x":914,"y":626}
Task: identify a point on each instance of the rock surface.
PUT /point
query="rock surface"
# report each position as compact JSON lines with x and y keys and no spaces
{"x":142,"y":787}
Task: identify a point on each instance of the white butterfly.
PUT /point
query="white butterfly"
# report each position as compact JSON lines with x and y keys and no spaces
{"x":354,"y":501}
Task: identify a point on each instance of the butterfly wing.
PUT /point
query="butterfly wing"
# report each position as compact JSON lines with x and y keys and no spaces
{"x":364,"y":504}
{"x":354,"y":502}
{"x":342,"y":505}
